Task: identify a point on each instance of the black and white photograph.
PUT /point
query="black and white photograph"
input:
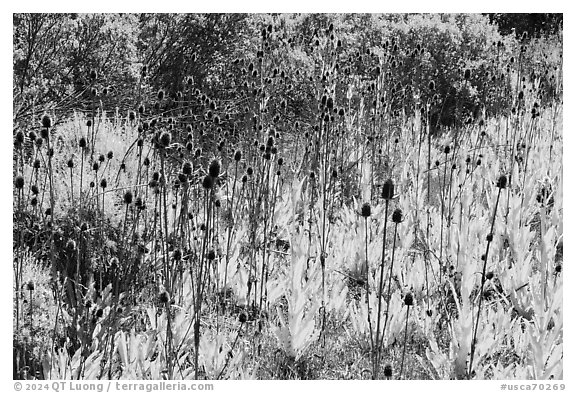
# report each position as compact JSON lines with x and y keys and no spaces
{"x":287,"y":196}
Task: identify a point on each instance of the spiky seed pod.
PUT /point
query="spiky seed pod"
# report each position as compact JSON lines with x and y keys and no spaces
{"x":388,"y":371}
{"x":432,"y":86}
{"x":165,"y":139}
{"x":19,"y":138}
{"x":558,"y":268}
{"x":388,"y":190}
{"x":34,"y":189}
{"x":163,"y":297}
{"x":46,"y":121}
{"x":237,"y":155}
{"x":128,"y":196}
{"x":103,"y":183}
{"x":51,"y":152}
{"x":36,"y":164}
{"x":214,"y":168}
{"x":32,"y":136}
{"x":177,"y":254}
{"x":249,"y":171}
{"x":30,"y":285}
{"x":160,"y":95}
{"x":447,"y":149}
{"x":489,"y":237}
{"x":44,"y":133}
{"x":70,"y":163}
{"x":34,"y":201}
{"x":489,"y":275}
{"x":93,"y":74}
{"x":208,"y":182}
{"x":95,"y":167}
{"x":187,"y":168}
{"x":146,"y":161}
{"x":84,"y":227}
{"x":467,"y":74}
{"x":71,"y":245}
{"x":409,"y":299}
{"x":19,"y":182}
{"x":110,"y":155}
{"x":397,"y":216}
{"x":82,"y":143}
{"x":211,"y":255}
{"x":92,"y":184}
{"x":242,"y":317}
{"x":99,"y":313}
{"x":366,"y":210}
{"x":502,"y":181}
{"x":101,"y":158}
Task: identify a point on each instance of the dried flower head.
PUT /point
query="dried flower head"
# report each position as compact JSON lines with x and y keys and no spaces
{"x":366,"y":210}
{"x":388,"y":190}
{"x":397,"y":216}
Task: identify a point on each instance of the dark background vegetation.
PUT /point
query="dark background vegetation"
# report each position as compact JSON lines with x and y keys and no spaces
{"x":54,"y":53}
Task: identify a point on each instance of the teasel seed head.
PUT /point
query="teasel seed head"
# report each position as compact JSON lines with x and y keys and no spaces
{"x":211,"y":255}
{"x":207,"y":182}
{"x":187,"y":168}
{"x":409,"y":299}
{"x":46,"y":121}
{"x":214,"y":168}
{"x":19,"y":138}
{"x":397,"y":216}
{"x":388,"y":190}
{"x":242,"y":317}
{"x":502,"y":181}
{"x":366,"y":210}
{"x":165,"y":139}
{"x":82,"y":143}
{"x":388,"y":371}
{"x":163,"y":297}
{"x":19,"y":182}
{"x":128,"y":196}
{"x":103,"y":183}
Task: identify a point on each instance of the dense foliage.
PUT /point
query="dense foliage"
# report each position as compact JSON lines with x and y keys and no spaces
{"x":286,"y":196}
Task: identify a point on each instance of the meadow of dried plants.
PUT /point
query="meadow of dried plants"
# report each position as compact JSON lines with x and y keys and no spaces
{"x":335,"y":206}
